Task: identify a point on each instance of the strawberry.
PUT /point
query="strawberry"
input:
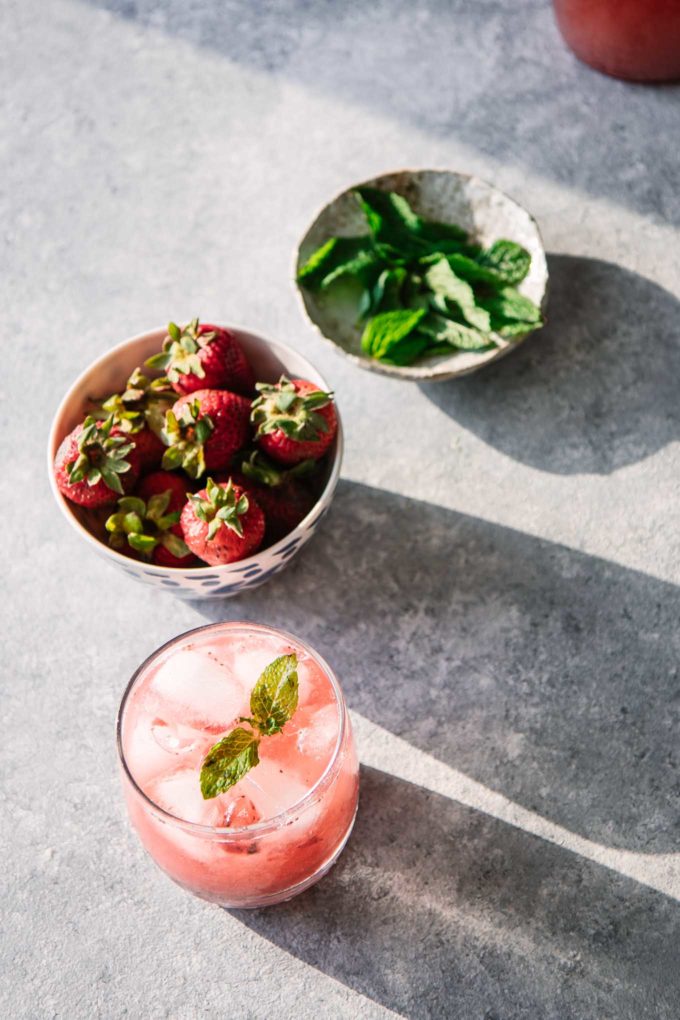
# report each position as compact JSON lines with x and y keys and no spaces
{"x":203,"y":357}
{"x":160,"y":482}
{"x":95,"y":464}
{"x":295,"y":420}
{"x":221,"y":523}
{"x":283,"y":498}
{"x":149,"y":448}
{"x":139,"y":411}
{"x":204,"y":430}
{"x":150,"y":526}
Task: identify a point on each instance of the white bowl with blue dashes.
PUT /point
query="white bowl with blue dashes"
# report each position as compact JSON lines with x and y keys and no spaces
{"x":107,"y":375}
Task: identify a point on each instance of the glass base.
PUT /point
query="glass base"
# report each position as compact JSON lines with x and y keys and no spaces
{"x":281,"y":896}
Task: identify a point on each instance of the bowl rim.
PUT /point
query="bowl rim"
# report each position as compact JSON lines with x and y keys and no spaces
{"x":415,"y":373}
{"x":152,"y":569}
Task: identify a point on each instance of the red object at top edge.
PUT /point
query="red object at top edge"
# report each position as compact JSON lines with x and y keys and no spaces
{"x":634,"y":39}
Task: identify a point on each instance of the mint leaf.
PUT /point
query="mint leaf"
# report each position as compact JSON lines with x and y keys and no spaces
{"x":385,"y":296}
{"x":513,"y":329}
{"x":406,"y":351}
{"x":468,"y":269}
{"x":385,"y":331}
{"x":509,"y":260}
{"x":387,"y":291}
{"x":433,"y":231}
{"x":273,"y":702}
{"x":393,"y":224}
{"x":275,"y":695}
{"x":400,"y":234}
{"x":509,"y":305}
{"x":364,"y":266}
{"x":228,"y":761}
{"x":337,"y":257}
{"x":444,"y":283}
{"x":458,"y":335}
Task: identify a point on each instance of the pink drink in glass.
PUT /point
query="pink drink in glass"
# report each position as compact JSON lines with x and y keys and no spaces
{"x":283,"y":825}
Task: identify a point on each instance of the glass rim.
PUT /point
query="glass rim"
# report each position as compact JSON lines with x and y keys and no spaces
{"x":265,"y":825}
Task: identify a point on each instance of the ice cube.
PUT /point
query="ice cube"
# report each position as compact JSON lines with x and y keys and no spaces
{"x":145,"y":757}
{"x":176,"y":738}
{"x":271,"y":788}
{"x":241,"y":812}
{"x":179,"y":793}
{"x":314,"y":687}
{"x":318,"y":735}
{"x":195,"y":687}
{"x":250,"y":659}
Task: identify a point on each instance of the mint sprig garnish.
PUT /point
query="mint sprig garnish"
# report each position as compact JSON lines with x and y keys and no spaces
{"x":407,"y":264}
{"x":228,"y":760}
{"x":273,"y":702}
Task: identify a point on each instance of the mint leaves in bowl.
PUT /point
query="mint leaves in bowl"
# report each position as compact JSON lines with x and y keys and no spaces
{"x":423,"y":274}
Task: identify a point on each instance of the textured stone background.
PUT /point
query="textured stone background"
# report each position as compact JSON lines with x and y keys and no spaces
{"x":495,"y":583}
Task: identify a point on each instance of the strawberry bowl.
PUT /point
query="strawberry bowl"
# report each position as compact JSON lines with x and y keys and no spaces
{"x":270,"y":361}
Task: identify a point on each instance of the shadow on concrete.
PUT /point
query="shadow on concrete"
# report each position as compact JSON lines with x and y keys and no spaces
{"x":595,"y":390}
{"x":437,"y":911}
{"x":548,"y":675}
{"x":495,"y":76}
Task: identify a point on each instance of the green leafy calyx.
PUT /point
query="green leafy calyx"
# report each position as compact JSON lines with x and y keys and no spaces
{"x":185,"y":435}
{"x":220,"y":506}
{"x":273,"y":702}
{"x":142,"y":402}
{"x":143,"y":526}
{"x":264,"y":471}
{"x":280,"y":407}
{"x":180,"y":354}
{"x":101,"y":456}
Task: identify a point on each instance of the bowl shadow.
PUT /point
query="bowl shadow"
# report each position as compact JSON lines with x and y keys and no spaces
{"x":435,"y":910}
{"x":546,"y":674}
{"x":593,"y":391}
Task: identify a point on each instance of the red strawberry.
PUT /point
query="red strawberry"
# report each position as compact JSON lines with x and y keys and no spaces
{"x":295,"y":420}
{"x":203,"y":357}
{"x":149,"y":447}
{"x":159,"y":482}
{"x":95,"y":464}
{"x":284,"y":499}
{"x":204,"y":430}
{"x":221,"y":523}
{"x":139,"y":411}
{"x":150,"y":526}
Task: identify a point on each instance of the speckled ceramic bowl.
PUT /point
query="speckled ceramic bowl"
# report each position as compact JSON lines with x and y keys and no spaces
{"x":108,"y":374}
{"x":485,"y":212}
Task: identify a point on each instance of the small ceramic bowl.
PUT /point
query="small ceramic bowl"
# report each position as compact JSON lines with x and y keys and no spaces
{"x":108,"y":374}
{"x":482,"y":210}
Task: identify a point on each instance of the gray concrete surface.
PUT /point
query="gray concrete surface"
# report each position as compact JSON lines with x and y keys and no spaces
{"x":496,"y":583}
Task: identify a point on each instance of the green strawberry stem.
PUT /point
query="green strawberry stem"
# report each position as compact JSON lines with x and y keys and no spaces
{"x":180,"y":352}
{"x":101,"y":456}
{"x":185,"y":435}
{"x":280,"y":406}
{"x":220,"y":506}
{"x":143,"y":526}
